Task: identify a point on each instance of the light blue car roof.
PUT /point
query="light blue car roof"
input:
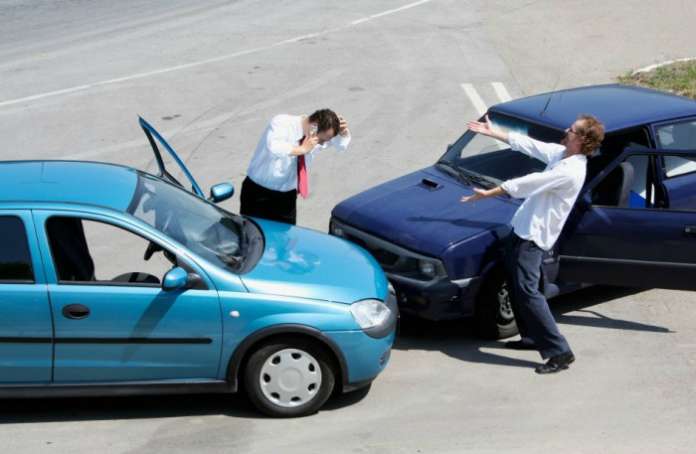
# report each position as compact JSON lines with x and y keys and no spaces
{"x":91,"y":183}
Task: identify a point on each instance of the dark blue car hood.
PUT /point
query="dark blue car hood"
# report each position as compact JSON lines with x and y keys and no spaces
{"x":422,"y":212}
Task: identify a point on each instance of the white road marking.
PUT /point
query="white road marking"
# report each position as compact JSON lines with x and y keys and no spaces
{"x":207,"y":61}
{"x":501,"y":91}
{"x":391,"y":11}
{"x":475,"y":98}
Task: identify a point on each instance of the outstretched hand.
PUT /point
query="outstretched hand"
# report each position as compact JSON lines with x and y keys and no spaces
{"x":481,"y":127}
{"x":478,"y":194}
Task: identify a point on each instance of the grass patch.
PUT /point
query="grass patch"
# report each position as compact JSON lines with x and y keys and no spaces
{"x":678,"y":78}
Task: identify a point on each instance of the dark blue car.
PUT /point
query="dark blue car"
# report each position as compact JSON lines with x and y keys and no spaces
{"x":633,"y":224}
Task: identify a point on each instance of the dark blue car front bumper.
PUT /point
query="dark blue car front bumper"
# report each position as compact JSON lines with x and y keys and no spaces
{"x":436,"y":300}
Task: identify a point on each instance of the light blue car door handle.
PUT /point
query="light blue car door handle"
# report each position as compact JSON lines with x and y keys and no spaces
{"x":76,"y":311}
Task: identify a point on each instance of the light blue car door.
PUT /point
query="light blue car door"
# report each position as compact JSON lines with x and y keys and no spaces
{"x":113,"y":321}
{"x":26,"y":331}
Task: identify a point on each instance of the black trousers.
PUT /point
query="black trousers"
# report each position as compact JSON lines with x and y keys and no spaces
{"x":535,"y":321}
{"x":261,"y":202}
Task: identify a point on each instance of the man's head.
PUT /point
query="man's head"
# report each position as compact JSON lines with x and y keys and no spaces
{"x":327,"y":123}
{"x":584,"y":136}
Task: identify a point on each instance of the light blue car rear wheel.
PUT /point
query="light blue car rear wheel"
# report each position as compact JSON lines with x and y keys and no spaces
{"x":287,"y":378}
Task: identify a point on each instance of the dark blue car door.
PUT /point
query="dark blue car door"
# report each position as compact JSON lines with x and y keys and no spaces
{"x":635,"y":224}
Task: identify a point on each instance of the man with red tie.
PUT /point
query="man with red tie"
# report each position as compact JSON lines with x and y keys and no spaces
{"x":280,"y":167}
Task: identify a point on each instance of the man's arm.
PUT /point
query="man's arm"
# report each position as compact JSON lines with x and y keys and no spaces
{"x":545,"y":152}
{"x":277,"y":143}
{"x":342,"y":139}
{"x":534,"y":183}
{"x":525,"y":186}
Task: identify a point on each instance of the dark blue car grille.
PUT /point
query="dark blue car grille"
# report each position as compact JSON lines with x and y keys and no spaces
{"x":390,"y":261}
{"x":384,"y":257}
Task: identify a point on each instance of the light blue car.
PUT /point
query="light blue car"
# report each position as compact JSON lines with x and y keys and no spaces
{"x":115,"y":281}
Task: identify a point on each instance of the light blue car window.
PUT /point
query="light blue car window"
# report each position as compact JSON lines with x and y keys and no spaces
{"x":15,"y":260}
{"x":205,"y":229}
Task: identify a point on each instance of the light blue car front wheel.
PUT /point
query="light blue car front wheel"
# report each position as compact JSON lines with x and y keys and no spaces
{"x":289,"y":377}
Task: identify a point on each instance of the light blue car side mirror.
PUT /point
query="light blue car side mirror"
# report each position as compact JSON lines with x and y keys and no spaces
{"x":220,"y":192}
{"x":175,"y":279}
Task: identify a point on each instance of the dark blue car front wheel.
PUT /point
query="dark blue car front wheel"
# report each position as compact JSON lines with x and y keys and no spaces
{"x":493,"y":317}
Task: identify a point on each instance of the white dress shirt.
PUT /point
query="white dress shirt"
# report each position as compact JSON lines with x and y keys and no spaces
{"x":550,"y":195}
{"x":272,"y":166}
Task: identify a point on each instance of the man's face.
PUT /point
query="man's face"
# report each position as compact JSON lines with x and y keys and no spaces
{"x":572,"y":140}
{"x":325,"y":136}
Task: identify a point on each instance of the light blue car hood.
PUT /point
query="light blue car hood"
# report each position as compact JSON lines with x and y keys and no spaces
{"x":304,"y":263}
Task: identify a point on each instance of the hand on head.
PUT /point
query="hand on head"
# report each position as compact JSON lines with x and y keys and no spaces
{"x":343,"y":128}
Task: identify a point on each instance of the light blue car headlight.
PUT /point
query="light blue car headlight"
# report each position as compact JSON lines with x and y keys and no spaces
{"x":370,"y":313}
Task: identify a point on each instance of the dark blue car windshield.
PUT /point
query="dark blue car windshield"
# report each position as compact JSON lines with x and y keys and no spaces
{"x":213,"y":233}
{"x":490,"y":162}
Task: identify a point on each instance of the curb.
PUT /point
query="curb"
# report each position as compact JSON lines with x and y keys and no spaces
{"x":658,"y":65}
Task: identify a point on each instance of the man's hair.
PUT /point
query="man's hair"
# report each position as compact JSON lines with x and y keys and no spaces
{"x":325,"y":119}
{"x":591,"y":132}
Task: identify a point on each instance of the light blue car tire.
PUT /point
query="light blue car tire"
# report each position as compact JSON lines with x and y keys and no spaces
{"x":296,"y":368}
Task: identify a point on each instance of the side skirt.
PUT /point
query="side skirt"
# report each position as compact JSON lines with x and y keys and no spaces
{"x":115,"y":389}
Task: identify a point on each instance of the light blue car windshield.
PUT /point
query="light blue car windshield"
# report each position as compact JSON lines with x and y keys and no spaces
{"x":214,"y":234}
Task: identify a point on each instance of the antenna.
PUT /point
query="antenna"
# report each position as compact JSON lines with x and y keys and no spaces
{"x":548,"y":101}
{"x":553,"y":92}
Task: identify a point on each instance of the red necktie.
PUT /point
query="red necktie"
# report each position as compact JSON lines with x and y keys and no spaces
{"x":302,"y":177}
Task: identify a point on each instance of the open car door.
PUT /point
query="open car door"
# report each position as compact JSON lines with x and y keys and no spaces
{"x":645,"y":238}
{"x":152,"y":134}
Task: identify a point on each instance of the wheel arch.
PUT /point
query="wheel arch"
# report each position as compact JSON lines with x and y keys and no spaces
{"x":241,"y":354}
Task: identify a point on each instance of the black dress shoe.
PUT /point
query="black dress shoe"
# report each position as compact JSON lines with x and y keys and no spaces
{"x":520,"y":345}
{"x":556,"y":363}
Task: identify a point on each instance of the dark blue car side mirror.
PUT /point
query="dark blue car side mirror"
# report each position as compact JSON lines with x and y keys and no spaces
{"x":220,"y":192}
{"x":176,"y":279}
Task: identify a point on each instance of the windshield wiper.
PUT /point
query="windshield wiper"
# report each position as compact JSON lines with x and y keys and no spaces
{"x":466,"y":176}
{"x":477,"y":178}
{"x":455,"y":172}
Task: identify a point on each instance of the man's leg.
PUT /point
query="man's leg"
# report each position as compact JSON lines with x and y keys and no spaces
{"x":512,"y":243}
{"x":261,"y":202}
{"x":287,"y":207}
{"x":253,"y":199}
{"x":532,"y":306}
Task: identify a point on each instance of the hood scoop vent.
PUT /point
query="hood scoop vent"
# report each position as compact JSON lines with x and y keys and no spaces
{"x":430,"y":185}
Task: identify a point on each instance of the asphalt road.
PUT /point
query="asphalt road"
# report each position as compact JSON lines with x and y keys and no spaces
{"x":74,"y":75}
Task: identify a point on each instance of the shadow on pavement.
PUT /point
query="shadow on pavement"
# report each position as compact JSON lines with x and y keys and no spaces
{"x":135,"y":407}
{"x":145,"y":407}
{"x":458,"y":338}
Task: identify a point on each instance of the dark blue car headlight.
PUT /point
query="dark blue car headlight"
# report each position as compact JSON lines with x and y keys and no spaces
{"x":431,"y":268}
{"x":336,"y":229}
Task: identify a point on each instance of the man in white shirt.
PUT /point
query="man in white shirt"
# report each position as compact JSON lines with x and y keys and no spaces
{"x":537,"y":224}
{"x":279,"y":169}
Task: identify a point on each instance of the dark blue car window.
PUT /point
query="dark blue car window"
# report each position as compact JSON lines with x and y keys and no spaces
{"x":205,"y":229}
{"x":494,"y":160}
{"x":15,"y":259}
